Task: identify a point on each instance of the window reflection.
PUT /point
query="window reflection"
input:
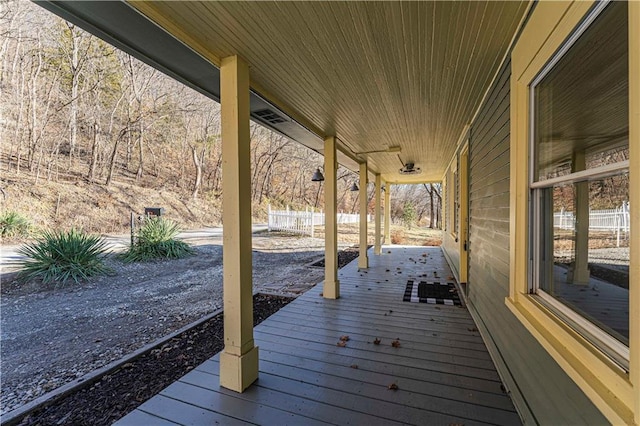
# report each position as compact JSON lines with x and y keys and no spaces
{"x":586,"y":227}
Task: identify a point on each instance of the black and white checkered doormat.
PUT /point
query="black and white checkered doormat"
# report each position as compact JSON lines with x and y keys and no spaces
{"x":432,"y":292}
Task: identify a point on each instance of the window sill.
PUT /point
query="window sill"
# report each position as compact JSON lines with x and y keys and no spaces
{"x":604,"y":383}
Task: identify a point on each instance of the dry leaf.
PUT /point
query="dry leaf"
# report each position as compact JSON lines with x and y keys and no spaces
{"x":377,"y":341}
{"x":341,"y":344}
{"x":472,"y":329}
{"x":395,"y":343}
{"x":344,"y":338}
{"x":449,"y":277}
{"x":354,"y":366}
{"x":392,"y":386}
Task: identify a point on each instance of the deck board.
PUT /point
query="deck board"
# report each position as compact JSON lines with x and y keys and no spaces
{"x":442,"y":368}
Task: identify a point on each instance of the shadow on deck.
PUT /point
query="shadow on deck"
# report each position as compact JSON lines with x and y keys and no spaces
{"x":442,"y":369}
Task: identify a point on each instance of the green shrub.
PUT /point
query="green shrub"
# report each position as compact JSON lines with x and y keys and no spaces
{"x":156,"y":240}
{"x":63,"y":256}
{"x":13,"y":224}
{"x":409,"y":215}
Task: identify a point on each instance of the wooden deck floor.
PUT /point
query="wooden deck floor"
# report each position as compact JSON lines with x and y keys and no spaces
{"x":442,"y":369}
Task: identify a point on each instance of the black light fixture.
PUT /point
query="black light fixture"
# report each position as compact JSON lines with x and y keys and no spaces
{"x":317,"y":176}
{"x":354,"y":187}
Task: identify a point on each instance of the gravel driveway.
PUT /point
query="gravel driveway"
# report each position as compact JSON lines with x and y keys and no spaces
{"x":51,"y":336}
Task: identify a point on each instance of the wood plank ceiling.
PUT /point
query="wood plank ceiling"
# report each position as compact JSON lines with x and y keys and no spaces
{"x":375,"y":74}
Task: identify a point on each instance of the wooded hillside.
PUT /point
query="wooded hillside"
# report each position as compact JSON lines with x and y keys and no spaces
{"x":89,"y":134}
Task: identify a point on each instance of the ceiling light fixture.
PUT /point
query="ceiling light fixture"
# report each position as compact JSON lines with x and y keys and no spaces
{"x":410,"y":169}
{"x":317,"y":176}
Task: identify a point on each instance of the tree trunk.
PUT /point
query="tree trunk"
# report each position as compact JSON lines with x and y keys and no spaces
{"x":94,"y":153}
{"x":197,"y":162}
{"x":74,"y":90}
{"x":114,"y":153}
{"x":140,"y":152}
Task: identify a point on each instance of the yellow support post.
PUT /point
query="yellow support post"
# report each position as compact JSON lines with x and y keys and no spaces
{"x":387,"y":214}
{"x":331,"y":289}
{"x":634,"y":202}
{"x":363,"y":259}
{"x":239,"y":360}
{"x":377,"y":247}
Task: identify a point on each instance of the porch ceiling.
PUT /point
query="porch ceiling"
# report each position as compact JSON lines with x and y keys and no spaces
{"x":375,"y":74}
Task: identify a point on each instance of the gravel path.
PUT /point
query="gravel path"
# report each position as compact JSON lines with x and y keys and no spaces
{"x":51,"y":336}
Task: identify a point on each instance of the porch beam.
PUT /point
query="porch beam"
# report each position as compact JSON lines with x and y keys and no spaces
{"x":363,"y":259}
{"x":377,"y":247}
{"x":331,"y":288}
{"x":239,"y":359}
{"x":387,"y":213}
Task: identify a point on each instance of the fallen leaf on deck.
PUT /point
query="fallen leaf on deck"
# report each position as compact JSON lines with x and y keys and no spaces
{"x":395,"y":343}
{"x":354,"y":366}
{"x":392,"y":386}
{"x":472,"y":329}
{"x":341,"y":344}
{"x":344,"y":338}
{"x":376,"y":341}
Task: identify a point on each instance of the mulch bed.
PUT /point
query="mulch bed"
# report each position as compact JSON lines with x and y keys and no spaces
{"x":344,"y":257}
{"x":120,"y":392}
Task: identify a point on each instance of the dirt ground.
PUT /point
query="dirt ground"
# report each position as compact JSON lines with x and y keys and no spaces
{"x":51,"y":336}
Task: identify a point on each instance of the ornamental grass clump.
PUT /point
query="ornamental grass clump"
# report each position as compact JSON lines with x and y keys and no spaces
{"x":13,"y":224}
{"x":156,"y":240}
{"x":57,"y":257}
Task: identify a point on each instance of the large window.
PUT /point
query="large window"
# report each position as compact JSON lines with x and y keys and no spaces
{"x":579,"y":184}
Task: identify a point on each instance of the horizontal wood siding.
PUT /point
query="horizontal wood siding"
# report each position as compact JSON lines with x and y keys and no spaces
{"x":538,"y":383}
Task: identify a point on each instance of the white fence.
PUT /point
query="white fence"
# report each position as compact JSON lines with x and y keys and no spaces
{"x":614,"y":220}
{"x":303,"y":222}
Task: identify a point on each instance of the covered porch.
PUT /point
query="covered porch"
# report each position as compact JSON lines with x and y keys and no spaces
{"x":442,"y":370}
